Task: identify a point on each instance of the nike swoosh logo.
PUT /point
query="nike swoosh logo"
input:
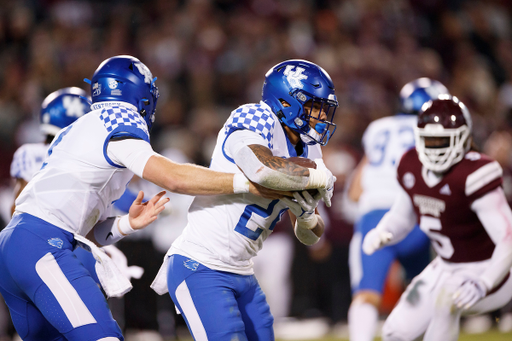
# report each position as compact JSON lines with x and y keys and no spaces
{"x":316,"y":85}
{"x":109,"y":234}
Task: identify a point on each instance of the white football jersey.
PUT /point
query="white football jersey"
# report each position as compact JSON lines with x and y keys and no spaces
{"x":384,"y":141}
{"x":27,"y":160}
{"x":78,"y":182}
{"x":225,"y":232}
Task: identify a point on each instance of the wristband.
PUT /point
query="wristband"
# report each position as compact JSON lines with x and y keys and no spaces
{"x":307,"y":221}
{"x":240,"y":184}
{"x":305,"y":236}
{"x":317,"y":178}
{"x":124,"y":226}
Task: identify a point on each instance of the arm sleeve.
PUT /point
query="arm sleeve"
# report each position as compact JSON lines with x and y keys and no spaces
{"x":238,"y":142}
{"x":496,"y":216}
{"x":401,"y":218}
{"x":240,"y":138}
{"x":131,"y":153}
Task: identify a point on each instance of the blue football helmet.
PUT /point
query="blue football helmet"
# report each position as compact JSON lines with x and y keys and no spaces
{"x":126,"y":79}
{"x":291,"y":85}
{"x":61,"y":108}
{"x":418,"y":92}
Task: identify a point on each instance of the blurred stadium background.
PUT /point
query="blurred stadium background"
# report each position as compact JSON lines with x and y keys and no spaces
{"x":211,"y":56}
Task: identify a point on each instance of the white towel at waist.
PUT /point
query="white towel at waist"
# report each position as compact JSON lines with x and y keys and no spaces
{"x":113,"y":282}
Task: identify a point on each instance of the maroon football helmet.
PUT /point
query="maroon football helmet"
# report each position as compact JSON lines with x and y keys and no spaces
{"x":443,"y":134}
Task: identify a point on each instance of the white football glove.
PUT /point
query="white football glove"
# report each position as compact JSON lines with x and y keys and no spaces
{"x":470,"y":292}
{"x":306,"y":216}
{"x":121,"y":262}
{"x":327,"y":192}
{"x":307,"y":201}
{"x":375,"y":240}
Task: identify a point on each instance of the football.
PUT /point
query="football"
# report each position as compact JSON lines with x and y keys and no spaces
{"x":302,"y":161}
{"x":305,"y":162}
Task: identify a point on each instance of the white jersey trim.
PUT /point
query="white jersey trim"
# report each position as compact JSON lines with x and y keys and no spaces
{"x":483,"y":176}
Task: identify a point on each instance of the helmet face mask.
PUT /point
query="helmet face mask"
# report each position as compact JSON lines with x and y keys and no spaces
{"x":443,"y":134}
{"x":61,"y":108}
{"x":126,"y":79}
{"x":319,"y":114}
{"x":292,"y":89}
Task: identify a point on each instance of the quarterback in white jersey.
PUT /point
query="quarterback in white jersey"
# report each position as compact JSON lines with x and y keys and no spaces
{"x":58,"y":110}
{"x":48,"y":291}
{"x":375,"y":188}
{"x":455,"y":195}
{"x":210,"y":273}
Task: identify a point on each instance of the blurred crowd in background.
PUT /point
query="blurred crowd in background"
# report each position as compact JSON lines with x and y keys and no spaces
{"x":211,"y":56}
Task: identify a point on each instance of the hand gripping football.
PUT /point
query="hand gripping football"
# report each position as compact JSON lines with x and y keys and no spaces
{"x":307,"y":163}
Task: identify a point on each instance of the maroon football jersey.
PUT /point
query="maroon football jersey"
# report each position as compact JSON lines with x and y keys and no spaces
{"x":444,"y":210}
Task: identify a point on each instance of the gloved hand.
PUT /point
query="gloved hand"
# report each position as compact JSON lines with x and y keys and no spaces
{"x":327,"y":192}
{"x":470,"y":292}
{"x":375,"y":240}
{"x":306,"y":201}
{"x":121,"y":262}
{"x":306,"y":216}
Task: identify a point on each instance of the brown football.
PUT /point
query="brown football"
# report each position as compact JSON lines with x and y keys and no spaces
{"x":304,"y":162}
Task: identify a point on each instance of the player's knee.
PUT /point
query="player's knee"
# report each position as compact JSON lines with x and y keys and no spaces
{"x":110,"y":338}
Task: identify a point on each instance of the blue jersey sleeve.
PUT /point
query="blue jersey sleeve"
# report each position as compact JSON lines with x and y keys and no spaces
{"x":255,"y":118}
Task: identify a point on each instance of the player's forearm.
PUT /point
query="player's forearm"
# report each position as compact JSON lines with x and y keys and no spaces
{"x":187,"y":178}
{"x":18,"y":187}
{"x":310,"y":236}
{"x":501,"y":262}
{"x":400,"y":220}
{"x":265,"y":169}
{"x":355,"y":188}
{"x":496,"y":217}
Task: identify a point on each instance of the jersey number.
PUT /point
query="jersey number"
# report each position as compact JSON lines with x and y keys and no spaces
{"x":440,"y":242}
{"x":55,"y":143}
{"x":377,"y":153}
{"x":255,"y":216}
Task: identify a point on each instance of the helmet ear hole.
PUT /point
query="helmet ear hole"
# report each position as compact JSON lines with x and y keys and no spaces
{"x":284,"y":103}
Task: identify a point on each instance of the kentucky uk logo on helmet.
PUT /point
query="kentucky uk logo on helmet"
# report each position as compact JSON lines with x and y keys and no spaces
{"x":295,"y":77}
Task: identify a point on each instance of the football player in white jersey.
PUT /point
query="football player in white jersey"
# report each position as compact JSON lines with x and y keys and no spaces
{"x":58,"y":110}
{"x":456,"y":196}
{"x":374,"y":188}
{"x":49,"y":293}
{"x":209,"y":269}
